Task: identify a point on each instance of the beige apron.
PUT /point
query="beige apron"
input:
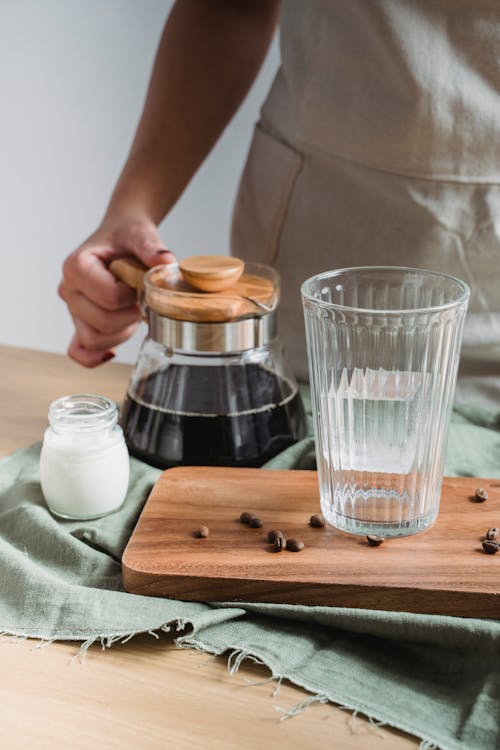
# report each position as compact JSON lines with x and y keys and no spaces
{"x":379,"y":143}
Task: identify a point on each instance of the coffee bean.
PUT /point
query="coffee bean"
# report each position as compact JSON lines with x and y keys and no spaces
{"x":374,"y":541}
{"x":201,"y":532}
{"x":492,"y":533}
{"x":255,"y":523}
{"x":246,"y":517}
{"x":279,"y":543}
{"x":317,"y":521}
{"x":294,"y":545}
{"x":271,"y":535}
{"x":480,"y":495}
{"x":490,"y":546}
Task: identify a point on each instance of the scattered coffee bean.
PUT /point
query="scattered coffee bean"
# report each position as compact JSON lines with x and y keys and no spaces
{"x":490,"y":546}
{"x":317,"y":521}
{"x":246,"y":517}
{"x":480,"y":495}
{"x":279,"y":543}
{"x":374,"y":541}
{"x":201,"y":532}
{"x":492,"y":534}
{"x":255,"y":523}
{"x":294,"y":545}
{"x":271,"y":536}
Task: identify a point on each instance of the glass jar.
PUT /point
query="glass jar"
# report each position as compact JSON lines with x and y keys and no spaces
{"x":84,"y":462}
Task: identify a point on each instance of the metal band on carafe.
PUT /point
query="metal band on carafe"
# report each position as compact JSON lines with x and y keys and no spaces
{"x":214,"y":338}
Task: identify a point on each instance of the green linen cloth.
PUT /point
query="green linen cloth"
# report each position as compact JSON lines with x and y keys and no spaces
{"x":435,"y":677}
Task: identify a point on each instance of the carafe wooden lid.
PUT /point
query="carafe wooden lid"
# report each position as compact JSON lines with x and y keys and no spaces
{"x":211,"y":273}
{"x":174,"y":290}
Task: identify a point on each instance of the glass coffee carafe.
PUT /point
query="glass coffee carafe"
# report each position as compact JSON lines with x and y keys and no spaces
{"x":211,"y":386}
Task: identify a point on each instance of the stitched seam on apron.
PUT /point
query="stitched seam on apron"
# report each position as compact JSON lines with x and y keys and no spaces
{"x":267,"y":127}
{"x":307,"y":148}
{"x":281,"y":214}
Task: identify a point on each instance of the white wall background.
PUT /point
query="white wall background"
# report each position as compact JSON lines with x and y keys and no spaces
{"x":73,"y":74}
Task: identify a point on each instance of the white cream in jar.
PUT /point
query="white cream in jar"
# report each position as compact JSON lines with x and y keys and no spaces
{"x":84,"y":463}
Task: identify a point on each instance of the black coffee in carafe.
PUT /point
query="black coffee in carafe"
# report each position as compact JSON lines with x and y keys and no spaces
{"x":211,"y":385}
{"x":212,"y":415}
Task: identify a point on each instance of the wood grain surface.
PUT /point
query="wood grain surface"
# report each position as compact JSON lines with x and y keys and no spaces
{"x":130,"y":270}
{"x":441,"y":571}
{"x":167,"y":293}
{"x":147,"y":694}
{"x":211,"y":273}
{"x":150,"y":695}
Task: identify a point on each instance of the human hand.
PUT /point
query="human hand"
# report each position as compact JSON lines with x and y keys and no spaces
{"x":104,"y":310}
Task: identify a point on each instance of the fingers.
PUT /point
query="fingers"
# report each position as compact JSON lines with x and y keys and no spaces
{"x":85,"y":272}
{"x":105,"y":310}
{"x":142,"y":239}
{"x":104,"y":321}
{"x":85,"y":357}
{"x":95,"y":341}
{"x":90,"y":348}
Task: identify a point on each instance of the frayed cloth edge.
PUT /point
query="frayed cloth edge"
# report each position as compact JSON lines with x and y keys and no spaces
{"x":172,"y":626}
{"x":105,"y":641}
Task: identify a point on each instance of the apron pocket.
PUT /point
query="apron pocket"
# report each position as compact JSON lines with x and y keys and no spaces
{"x":263,"y":197}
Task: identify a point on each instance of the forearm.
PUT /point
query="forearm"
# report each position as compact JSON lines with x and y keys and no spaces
{"x":209,"y":55}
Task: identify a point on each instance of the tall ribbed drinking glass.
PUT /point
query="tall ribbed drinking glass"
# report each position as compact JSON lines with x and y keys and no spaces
{"x":383,"y":346}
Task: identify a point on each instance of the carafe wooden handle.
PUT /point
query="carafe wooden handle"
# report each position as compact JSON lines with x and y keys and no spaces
{"x":130,"y":270}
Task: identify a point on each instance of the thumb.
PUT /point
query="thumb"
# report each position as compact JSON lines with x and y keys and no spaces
{"x":144,"y":242}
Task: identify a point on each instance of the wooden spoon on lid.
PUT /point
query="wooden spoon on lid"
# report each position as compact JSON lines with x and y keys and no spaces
{"x":211,"y":273}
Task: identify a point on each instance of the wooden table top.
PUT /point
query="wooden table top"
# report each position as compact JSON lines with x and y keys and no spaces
{"x":146,"y":694}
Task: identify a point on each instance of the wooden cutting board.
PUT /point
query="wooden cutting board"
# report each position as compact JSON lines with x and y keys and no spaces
{"x":441,"y":571}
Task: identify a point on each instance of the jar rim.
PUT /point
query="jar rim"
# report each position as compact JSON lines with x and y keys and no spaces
{"x":82,"y":412}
